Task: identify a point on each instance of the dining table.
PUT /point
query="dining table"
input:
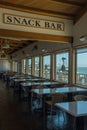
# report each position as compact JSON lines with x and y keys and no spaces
{"x":69,"y":91}
{"x":77,"y":110}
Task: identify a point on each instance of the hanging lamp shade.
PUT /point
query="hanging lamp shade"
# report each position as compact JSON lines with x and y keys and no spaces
{"x":83,"y":38}
{"x":5,"y":44}
{"x":2,"y":51}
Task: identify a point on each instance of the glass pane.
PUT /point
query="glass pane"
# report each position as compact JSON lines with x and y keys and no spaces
{"x":15,"y":69}
{"x":62,"y":66}
{"x":46,"y":66}
{"x":29,"y":66}
{"x":24,"y":66}
{"x":81,"y":66}
{"x":36,"y":71}
{"x":19,"y":67}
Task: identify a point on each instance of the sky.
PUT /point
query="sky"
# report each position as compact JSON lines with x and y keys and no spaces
{"x":82,"y":60}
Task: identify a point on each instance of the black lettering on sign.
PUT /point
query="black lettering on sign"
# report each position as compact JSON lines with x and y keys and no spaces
{"x":33,"y":22}
{"x":37,"y":23}
{"x":53,"y":26}
{"x":24,"y":22}
{"x":16,"y":20}
{"x":47,"y":25}
{"x":9,"y":19}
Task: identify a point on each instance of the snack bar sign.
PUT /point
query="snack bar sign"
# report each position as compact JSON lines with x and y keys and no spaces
{"x":32,"y":22}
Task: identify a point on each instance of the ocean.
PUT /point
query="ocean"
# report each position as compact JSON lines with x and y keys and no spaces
{"x":82,"y":70}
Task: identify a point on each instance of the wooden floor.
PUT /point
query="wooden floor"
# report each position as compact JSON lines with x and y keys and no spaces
{"x":15,"y":115}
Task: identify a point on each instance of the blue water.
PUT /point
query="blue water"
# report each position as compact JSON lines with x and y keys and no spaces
{"x":82,"y":70}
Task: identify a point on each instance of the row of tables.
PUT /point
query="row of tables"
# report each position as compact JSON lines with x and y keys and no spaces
{"x":77,"y":109}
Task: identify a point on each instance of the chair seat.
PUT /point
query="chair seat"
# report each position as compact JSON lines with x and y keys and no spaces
{"x":55,"y":98}
{"x":50,"y":103}
{"x":80,"y":97}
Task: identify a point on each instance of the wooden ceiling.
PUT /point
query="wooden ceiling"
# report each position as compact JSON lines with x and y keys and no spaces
{"x":60,"y":8}
{"x":14,"y":44}
{"x":69,"y":9}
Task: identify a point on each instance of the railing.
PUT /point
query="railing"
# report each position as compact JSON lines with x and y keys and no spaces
{"x":46,"y":74}
{"x":62,"y":76}
{"x":81,"y":78}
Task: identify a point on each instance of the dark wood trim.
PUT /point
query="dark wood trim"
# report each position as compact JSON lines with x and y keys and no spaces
{"x":80,"y":46}
{"x":72,"y":3}
{"x":35,"y":36}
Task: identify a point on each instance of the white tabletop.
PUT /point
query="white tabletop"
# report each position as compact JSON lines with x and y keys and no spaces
{"x":27,"y":78}
{"x":24,"y":84}
{"x":20,"y":79}
{"x":59,"y":90}
{"x":74,"y":108}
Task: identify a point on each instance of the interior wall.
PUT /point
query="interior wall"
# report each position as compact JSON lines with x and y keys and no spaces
{"x":39,"y":48}
{"x":68,"y":24}
{"x":80,"y":29}
{"x":4,"y":65}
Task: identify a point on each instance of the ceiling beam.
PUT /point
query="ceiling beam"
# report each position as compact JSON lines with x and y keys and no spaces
{"x":80,"y":14}
{"x":35,"y":36}
{"x":14,"y":45}
{"x":74,"y":3}
{"x":35,"y":10}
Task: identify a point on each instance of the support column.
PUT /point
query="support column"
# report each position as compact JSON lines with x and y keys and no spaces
{"x":41,"y":65}
{"x":52,"y":71}
{"x":32,"y":72}
{"x":72,"y":65}
{"x":27,"y":66}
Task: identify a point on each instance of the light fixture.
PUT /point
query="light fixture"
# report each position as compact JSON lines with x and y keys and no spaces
{"x":35,"y":47}
{"x":5,"y":44}
{"x":2,"y":51}
{"x":83,"y":38}
{"x":3,"y":55}
{"x":44,"y":50}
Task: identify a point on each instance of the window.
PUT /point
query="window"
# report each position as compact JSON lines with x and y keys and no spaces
{"x":36,"y":71}
{"x":15,"y":65}
{"x":62,"y":66}
{"x":24,"y":66}
{"x":29,"y":66}
{"x":19,"y":67}
{"x":46,"y":66}
{"x":81,"y":66}
{"x":4,"y":65}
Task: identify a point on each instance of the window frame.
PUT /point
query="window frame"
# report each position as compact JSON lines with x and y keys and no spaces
{"x":78,"y":48}
{"x":30,"y":67}
{"x":50,"y":65}
{"x":38,"y":64}
{"x":59,"y":52}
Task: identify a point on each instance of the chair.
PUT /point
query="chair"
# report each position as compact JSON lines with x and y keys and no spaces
{"x":55,"y":98}
{"x":36,"y":100}
{"x":80,"y":97}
